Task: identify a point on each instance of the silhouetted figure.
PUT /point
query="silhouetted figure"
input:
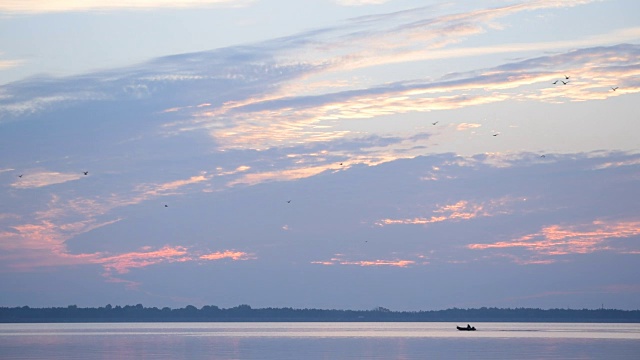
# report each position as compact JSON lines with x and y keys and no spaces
{"x":543,"y":156}
{"x":85,"y":172}
{"x":566,"y":77}
{"x":435,"y":123}
{"x":165,"y":205}
{"x":496,"y":134}
{"x":565,"y":82}
{"x":555,"y":82}
{"x":614,"y":88}
{"x":20,"y":175}
{"x":288,"y":201}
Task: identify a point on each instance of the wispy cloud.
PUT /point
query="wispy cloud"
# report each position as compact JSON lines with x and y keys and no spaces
{"x":571,"y":239}
{"x":169,"y":188}
{"x":313,"y":118}
{"x":44,"y":178}
{"x":359,"y":2}
{"x":123,"y":262}
{"x":227,"y":254}
{"x":35,"y":6}
{"x":7,"y":64}
{"x":378,"y":262}
{"x":461,"y":210}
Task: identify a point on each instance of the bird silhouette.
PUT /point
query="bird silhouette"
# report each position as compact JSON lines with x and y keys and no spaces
{"x":496,"y":134}
{"x":614,"y":88}
{"x":543,"y":156}
{"x":20,"y":175}
{"x":85,"y":172}
{"x":565,"y":82}
{"x":555,"y":82}
{"x":341,"y":164}
{"x":165,"y":205}
{"x":566,"y":77}
{"x":288,"y":201}
{"x":435,"y":122}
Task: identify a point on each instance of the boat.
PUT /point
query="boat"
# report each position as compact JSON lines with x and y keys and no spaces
{"x":467,"y":328}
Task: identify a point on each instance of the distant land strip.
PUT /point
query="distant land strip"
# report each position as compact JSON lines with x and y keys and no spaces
{"x":245,"y":313}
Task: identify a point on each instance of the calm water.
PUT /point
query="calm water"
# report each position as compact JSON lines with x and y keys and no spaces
{"x":330,"y":341}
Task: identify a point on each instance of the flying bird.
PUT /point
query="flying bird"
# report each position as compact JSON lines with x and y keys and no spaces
{"x":614,"y":88}
{"x":565,"y":82}
{"x":543,"y":156}
{"x":435,"y":122}
{"x":85,"y":172}
{"x":165,"y":205}
{"x":20,"y":175}
{"x":566,"y":77}
{"x":555,"y":82}
{"x":288,"y":201}
{"x":496,"y":134}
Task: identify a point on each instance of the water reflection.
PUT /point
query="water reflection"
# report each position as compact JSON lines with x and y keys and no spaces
{"x":318,"y":341}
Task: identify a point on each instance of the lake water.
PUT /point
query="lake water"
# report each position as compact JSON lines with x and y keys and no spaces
{"x":327,"y":341}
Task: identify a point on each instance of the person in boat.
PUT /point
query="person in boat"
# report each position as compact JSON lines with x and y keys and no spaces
{"x":468,"y":326}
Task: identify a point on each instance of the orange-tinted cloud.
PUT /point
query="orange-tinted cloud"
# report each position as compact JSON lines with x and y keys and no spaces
{"x":462,"y":210}
{"x":467,"y":126}
{"x":572,"y":239}
{"x":227,"y":254}
{"x":151,"y":190}
{"x":123,"y":262}
{"x":44,"y":178}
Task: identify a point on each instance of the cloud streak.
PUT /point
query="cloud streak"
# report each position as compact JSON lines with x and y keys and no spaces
{"x":460,"y":211}
{"x":35,"y":6}
{"x":571,"y":239}
{"x":44,"y":178}
{"x":367,"y":263}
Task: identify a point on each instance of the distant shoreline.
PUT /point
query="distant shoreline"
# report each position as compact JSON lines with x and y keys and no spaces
{"x":244,"y":313}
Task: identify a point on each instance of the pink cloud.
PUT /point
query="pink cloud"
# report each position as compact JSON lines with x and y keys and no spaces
{"x":227,"y":254}
{"x":573,"y":239}
{"x":123,"y":262}
{"x":44,"y":178}
{"x":170,"y":187}
{"x":462,"y":210}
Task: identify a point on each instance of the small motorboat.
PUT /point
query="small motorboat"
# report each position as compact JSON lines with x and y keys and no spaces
{"x":467,"y":328}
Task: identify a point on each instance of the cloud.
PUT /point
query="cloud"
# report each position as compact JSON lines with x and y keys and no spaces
{"x":35,"y":6}
{"x":230,"y":132}
{"x":16,"y":107}
{"x":367,"y":263}
{"x":261,"y":114}
{"x":460,"y":211}
{"x":312,"y":118}
{"x":44,"y":178}
{"x":571,"y":239}
{"x":8,"y":64}
{"x":227,"y":254}
{"x":122,"y":263}
{"x":360,"y":2}
{"x":169,"y":188}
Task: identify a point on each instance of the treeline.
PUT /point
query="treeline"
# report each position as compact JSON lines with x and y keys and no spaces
{"x":139,"y":313}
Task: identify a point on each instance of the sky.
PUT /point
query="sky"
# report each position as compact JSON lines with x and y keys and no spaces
{"x":335,"y":154}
